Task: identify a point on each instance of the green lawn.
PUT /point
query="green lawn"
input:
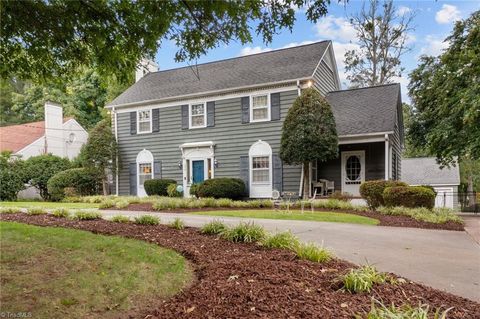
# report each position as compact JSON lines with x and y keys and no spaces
{"x":48,"y":205}
{"x":293,"y":215}
{"x":65,"y":273}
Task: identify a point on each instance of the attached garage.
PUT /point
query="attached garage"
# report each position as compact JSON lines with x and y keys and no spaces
{"x":426,"y":171}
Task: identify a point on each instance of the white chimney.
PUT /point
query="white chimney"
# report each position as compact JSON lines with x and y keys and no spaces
{"x":54,"y":129}
{"x":144,"y":67}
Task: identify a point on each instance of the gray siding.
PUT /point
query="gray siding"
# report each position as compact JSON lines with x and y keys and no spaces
{"x":324,"y":79}
{"x":374,"y":162}
{"x":232,"y":139}
{"x":397,"y":141}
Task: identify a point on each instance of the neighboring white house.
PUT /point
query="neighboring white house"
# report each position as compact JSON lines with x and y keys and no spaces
{"x":426,"y":171}
{"x":56,"y":135}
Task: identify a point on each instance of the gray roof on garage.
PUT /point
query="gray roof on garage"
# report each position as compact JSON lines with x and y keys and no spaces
{"x":426,"y":171}
{"x":365,"y":110}
{"x":256,"y":69}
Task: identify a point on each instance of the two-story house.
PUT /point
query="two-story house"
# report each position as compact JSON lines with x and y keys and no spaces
{"x":224,"y":119}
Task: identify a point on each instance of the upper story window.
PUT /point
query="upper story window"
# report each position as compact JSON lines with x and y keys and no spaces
{"x":144,"y":121}
{"x":198,"y":115}
{"x":260,"y":110}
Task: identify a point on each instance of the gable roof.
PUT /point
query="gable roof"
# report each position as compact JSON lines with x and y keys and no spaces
{"x":426,"y":171}
{"x":273,"y":66}
{"x":365,"y":110}
{"x":16,"y":137}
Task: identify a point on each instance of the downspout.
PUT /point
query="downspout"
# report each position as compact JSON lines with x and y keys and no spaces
{"x":387,"y":159}
{"x":300,"y":189}
{"x":116,"y":158}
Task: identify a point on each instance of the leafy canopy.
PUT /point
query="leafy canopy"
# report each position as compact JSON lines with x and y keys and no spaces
{"x":445,"y":92}
{"x":309,"y":131}
{"x":45,"y":38}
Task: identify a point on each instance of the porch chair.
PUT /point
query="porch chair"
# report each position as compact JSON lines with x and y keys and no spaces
{"x":329,"y":187}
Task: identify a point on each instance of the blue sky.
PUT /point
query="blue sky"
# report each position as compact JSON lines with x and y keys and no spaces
{"x":433,"y":22}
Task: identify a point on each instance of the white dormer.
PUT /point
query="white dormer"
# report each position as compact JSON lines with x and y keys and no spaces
{"x":144,"y":67}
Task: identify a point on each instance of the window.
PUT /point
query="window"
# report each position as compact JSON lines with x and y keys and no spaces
{"x":198,"y":116}
{"x":261,"y":169}
{"x":144,"y":121}
{"x":144,"y":172}
{"x":353,"y":168}
{"x":260,"y":109}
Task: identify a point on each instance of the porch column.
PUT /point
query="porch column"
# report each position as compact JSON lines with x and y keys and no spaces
{"x":387,"y":158}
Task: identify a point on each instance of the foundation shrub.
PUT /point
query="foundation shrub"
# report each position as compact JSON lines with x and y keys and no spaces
{"x":409,"y":196}
{"x":372,"y":191}
{"x":172,"y":191}
{"x":194,"y":190}
{"x":82,"y":180}
{"x":232,"y":188}
{"x":158,"y":186}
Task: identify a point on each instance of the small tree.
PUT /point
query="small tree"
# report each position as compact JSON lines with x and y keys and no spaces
{"x":11,"y":176}
{"x":100,"y":153}
{"x":309,"y":133}
{"x":39,"y":169}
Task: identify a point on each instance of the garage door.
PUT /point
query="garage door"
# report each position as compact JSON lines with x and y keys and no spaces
{"x":444,"y":197}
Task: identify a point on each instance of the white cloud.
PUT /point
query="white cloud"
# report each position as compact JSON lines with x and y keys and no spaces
{"x":447,"y":14}
{"x":339,"y":50}
{"x":294,"y":44}
{"x":403,"y":10}
{"x":333,"y":28}
{"x":434,"y":47}
{"x":253,"y":50}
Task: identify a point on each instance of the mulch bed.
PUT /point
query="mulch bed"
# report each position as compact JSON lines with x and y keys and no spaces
{"x":385,"y":220}
{"x":248,"y":281}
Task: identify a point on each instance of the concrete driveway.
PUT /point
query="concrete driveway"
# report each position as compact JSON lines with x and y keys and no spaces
{"x":446,"y":260}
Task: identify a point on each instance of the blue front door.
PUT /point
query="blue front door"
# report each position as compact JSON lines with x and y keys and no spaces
{"x":198,"y":171}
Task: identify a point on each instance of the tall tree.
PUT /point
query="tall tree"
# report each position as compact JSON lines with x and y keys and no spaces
{"x":44,"y":38}
{"x":383,"y":40}
{"x":309,"y":133}
{"x":411,"y":149}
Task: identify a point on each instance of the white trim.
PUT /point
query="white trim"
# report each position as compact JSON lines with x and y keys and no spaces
{"x":387,"y":160}
{"x":38,"y":139}
{"x":366,"y":134}
{"x":197,"y":144}
{"x":115,"y":122}
{"x":202,"y":95}
{"x":343,"y":155}
{"x":138,"y":120}
{"x":204,"y":115}
{"x":74,"y":120}
{"x":321,"y":59}
{"x":436,"y":185}
{"x":268,"y":107}
{"x":330,"y":50}
{"x":143,"y":157}
{"x":260,"y":189}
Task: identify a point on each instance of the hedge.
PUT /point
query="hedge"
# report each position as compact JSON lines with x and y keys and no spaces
{"x":409,"y":196}
{"x":158,"y":186}
{"x":372,"y":191}
{"x":84,"y":181}
{"x":233,"y":188}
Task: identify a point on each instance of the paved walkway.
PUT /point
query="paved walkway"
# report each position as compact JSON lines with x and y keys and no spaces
{"x":472,"y":226}
{"x":446,"y":260}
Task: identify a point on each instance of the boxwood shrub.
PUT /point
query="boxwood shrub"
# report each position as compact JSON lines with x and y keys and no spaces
{"x":84,"y":181}
{"x":233,"y":188}
{"x":409,"y":196}
{"x":372,"y":191}
{"x":157,"y":186}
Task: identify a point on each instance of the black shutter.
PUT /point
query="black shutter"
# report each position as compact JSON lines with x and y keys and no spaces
{"x":157,"y":169}
{"x":275,"y":106}
{"x":133,"y":123}
{"x":210,"y":114}
{"x":245,"y":109}
{"x":277,"y":173}
{"x":133,"y":179}
{"x":185,"y":117}
{"x":245,"y":172}
{"x":155,"y":120}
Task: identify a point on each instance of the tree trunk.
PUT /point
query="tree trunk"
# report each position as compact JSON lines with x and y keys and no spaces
{"x":104,"y":186}
{"x":306,"y":179}
{"x":470,"y":194}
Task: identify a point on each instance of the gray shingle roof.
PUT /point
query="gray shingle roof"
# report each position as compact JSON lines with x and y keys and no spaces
{"x":365,"y":110}
{"x":426,"y":171}
{"x":273,"y":66}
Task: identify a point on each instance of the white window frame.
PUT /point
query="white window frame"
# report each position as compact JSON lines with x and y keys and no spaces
{"x":269,"y":169}
{"x":269,"y":115}
{"x":204,"y":115}
{"x":138,"y":121}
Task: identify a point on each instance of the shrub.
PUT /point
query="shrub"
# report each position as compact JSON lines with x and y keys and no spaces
{"x":177,"y":224}
{"x":122,"y":203}
{"x":409,"y":196}
{"x":362,"y":279}
{"x":108,"y":203}
{"x":11,"y":176}
{"x":120,"y":219}
{"x":338,"y":195}
{"x":244,"y":233}
{"x":437,"y":215}
{"x":372,"y":191}
{"x":172,"y":191}
{"x":61,"y":212}
{"x":86,"y":215}
{"x":82,"y":180}
{"x":194,"y":190}
{"x":284,"y":240}
{"x":404,"y":312}
{"x":36,"y":211}
{"x":10,"y":210}
{"x":147,"y":220}
{"x":158,"y":186}
{"x":312,"y":252}
{"x":215,"y":227}
{"x":233,"y":188}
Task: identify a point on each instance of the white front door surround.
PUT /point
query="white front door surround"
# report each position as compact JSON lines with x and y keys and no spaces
{"x":260,"y":170}
{"x":353,"y":171}
{"x":194,"y":154}
{"x":144,"y":170}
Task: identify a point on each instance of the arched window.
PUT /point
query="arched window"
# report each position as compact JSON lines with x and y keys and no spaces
{"x":144,"y":170}
{"x":260,"y":155}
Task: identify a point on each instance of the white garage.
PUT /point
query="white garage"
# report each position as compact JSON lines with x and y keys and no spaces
{"x":426,"y":171}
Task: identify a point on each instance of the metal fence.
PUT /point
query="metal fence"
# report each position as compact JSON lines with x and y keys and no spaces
{"x":469,"y":202}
